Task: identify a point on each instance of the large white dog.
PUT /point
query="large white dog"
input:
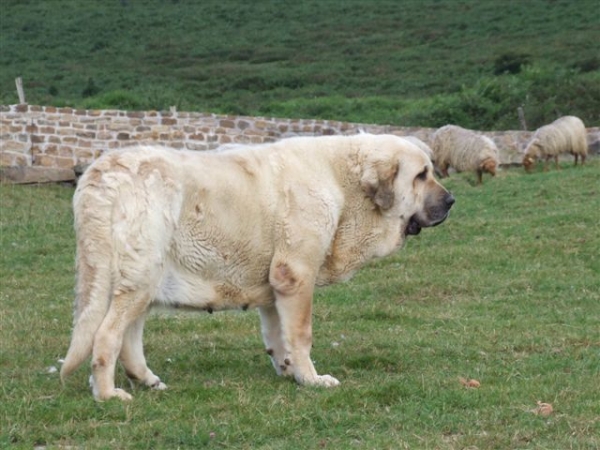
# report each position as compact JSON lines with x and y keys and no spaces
{"x":253,"y":226}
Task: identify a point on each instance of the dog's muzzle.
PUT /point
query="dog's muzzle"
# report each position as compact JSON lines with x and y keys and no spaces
{"x":434,"y":216}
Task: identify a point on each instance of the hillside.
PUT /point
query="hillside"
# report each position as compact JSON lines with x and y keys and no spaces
{"x":415,"y":62}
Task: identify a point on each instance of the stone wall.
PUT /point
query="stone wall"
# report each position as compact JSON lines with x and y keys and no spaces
{"x":39,"y":143}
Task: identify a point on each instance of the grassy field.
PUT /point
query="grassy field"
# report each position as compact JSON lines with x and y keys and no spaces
{"x":506,"y":292}
{"x":412,"y":63}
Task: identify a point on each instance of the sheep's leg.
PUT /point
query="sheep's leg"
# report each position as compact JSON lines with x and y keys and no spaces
{"x":479,"y":176}
{"x":444,"y":170}
{"x":556,"y":162}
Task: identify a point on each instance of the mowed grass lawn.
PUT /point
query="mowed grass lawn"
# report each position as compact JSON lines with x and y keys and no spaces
{"x":506,"y":292}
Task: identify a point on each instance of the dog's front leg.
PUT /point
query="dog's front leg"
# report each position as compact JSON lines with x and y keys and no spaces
{"x":293,"y":304}
{"x":272,"y":337}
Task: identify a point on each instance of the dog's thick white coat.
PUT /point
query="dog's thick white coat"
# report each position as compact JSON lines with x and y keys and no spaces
{"x":252,"y":226}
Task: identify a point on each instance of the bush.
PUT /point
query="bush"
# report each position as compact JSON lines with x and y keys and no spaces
{"x":142,"y":99}
{"x":114,"y":100}
{"x":510,"y":63}
{"x":544,"y":92}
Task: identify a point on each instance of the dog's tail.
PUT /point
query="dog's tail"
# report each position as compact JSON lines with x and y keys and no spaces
{"x":93,"y":213}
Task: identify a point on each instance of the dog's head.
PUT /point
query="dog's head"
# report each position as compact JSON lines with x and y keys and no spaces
{"x":398,"y":178}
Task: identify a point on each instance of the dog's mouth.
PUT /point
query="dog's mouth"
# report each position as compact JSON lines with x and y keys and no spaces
{"x":431,"y":217}
{"x":413,"y":227}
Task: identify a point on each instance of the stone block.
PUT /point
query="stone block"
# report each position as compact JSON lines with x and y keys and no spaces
{"x":31,"y":174}
{"x":227,"y":123}
{"x":14,"y":146}
{"x":65,"y":163}
{"x":119,"y":125}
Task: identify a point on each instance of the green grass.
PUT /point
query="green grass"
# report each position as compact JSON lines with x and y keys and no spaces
{"x":507,"y":292}
{"x":413,"y":63}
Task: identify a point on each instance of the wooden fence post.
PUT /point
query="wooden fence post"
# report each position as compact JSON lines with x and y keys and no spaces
{"x":20,"y":92}
{"x":522,"y":118}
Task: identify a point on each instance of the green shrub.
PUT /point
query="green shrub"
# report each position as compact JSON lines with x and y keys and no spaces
{"x":510,"y":63}
{"x":120,"y":99}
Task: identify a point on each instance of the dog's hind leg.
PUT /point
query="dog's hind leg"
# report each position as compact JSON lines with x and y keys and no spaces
{"x":92,"y":299}
{"x":132,"y":356}
{"x":125,"y":310}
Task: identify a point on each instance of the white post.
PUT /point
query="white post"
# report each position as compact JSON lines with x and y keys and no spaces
{"x":522,"y":117}
{"x":20,"y":92}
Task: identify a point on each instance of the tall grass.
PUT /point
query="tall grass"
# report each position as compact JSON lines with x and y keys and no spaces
{"x":414,"y":63}
{"x":506,"y":292}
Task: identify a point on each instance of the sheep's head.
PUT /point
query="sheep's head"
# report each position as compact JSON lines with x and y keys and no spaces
{"x":532,"y":153}
{"x":489,"y":165}
{"x":528,"y":163}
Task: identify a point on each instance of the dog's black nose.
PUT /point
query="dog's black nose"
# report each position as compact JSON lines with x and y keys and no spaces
{"x":450,"y":200}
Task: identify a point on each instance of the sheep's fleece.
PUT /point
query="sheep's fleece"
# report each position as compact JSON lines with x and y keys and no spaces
{"x":422,"y":145}
{"x":464,"y":150}
{"x":566,"y":134}
{"x":256,"y":226}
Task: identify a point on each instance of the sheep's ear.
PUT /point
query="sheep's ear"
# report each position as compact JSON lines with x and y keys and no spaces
{"x":377,"y":182}
{"x":488,"y":165}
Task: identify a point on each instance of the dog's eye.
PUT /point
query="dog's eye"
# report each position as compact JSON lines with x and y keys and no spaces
{"x":423,"y":175}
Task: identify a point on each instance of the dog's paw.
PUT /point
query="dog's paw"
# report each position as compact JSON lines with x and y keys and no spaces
{"x":115,"y":393}
{"x":326,"y":381}
{"x":121,"y":394}
{"x":319,"y":380}
{"x":103,"y":396}
{"x":159,"y":386}
{"x":153,"y":382}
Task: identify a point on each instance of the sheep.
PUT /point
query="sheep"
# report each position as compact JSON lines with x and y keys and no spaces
{"x":422,"y":145}
{"x":566,"y":134}
{"x":464,"y":150}
{"x":426,"y":148}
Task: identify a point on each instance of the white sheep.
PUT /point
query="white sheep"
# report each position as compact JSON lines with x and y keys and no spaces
{"x":464,"y":150}
{"x":426,"y":148}
{"x":566,"y":134}
{"x":422,"y":145}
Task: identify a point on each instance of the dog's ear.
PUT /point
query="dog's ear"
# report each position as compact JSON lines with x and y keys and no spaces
{"x":377,"y":181}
